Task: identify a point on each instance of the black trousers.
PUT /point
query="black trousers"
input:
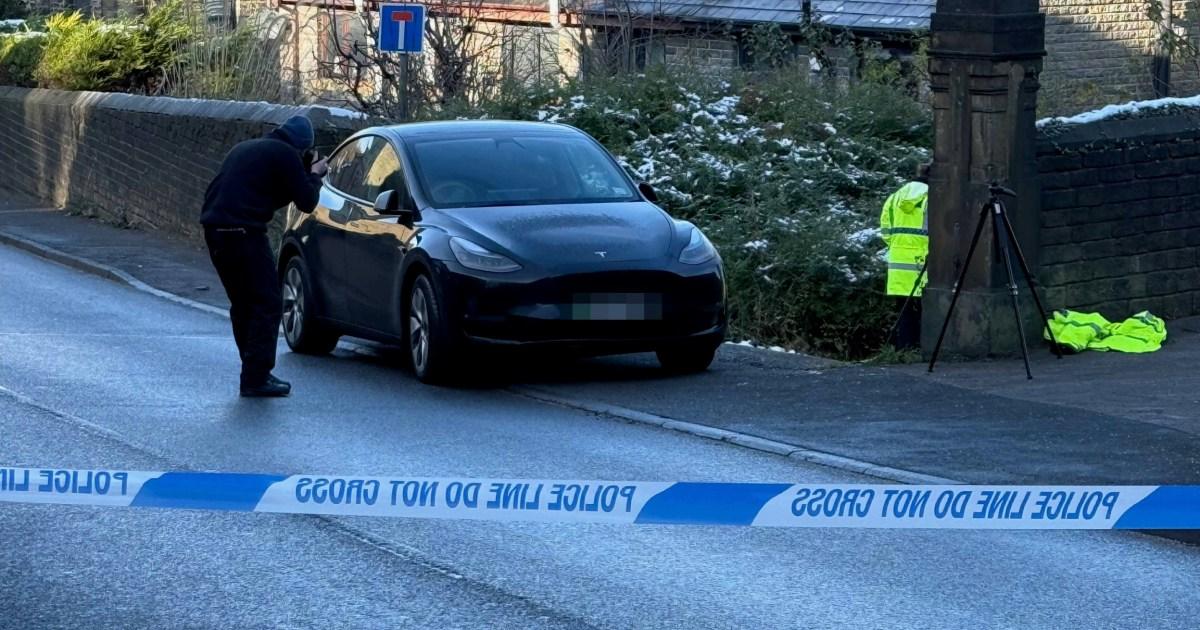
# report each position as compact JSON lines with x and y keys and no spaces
{"x":908,"y":332}
{"x":244,"y":262}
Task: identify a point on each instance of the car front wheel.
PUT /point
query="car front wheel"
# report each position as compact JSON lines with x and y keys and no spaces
{"x":431,"y":342}
{"x":688,"y":358}
{"x":303,"y":333}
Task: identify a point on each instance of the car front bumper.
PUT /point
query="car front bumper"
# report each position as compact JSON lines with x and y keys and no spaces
{"x":609,"y":312}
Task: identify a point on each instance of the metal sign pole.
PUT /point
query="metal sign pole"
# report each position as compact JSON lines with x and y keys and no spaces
{"x":404,"y":90}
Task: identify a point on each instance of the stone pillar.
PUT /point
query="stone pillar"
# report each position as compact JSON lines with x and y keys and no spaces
{"x":985,"y":58}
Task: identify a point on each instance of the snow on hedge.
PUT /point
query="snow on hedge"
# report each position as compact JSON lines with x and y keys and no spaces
{"x":705,"y":152}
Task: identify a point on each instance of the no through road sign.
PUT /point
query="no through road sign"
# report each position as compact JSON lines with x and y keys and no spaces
{"x":401,"y":28}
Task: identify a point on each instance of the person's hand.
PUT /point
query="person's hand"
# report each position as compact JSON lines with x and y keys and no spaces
{"x":320,"y":167}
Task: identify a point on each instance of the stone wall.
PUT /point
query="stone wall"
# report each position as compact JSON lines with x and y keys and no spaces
{"x":1121,"y":216}
{"x":1097,"y":51}
{"x":1102,"y":51}
{"x":706,"y":54}
{"x":131,"y":160}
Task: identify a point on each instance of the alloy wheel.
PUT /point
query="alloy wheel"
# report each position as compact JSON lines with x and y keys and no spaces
{"x":293,"y":305}
{"x":418,"y":329}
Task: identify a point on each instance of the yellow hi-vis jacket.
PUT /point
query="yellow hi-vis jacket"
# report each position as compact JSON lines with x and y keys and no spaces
{"x":1077,"y":332}
{"x":904,"y":226}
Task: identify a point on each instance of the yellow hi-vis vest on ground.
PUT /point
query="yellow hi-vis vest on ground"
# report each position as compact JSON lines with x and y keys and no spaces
{"x":1077,"y":332}
{"x":904,"y":226}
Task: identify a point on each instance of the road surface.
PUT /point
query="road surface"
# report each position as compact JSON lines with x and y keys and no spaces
{"x":95,"y":374}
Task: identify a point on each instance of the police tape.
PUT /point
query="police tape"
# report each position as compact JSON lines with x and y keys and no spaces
{"x":672,"y":503}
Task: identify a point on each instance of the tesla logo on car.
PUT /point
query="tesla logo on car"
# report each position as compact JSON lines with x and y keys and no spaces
{"x":601,"y":254}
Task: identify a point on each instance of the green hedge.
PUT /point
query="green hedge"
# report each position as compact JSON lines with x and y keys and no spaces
{"x":786,"y":176}
{"x":76,"y":53}
{"x":126,"y":56}
{"x":20,"y":54}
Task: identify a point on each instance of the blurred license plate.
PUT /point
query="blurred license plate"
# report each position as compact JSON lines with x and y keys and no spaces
{"x":617,"y":307}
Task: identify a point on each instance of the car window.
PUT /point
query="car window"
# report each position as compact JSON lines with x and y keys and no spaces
{"x":517,"y":169}
{"x":384,"y":173}
{"x":352,"y":164}
{"x":339,"y":168}
{"x":597,"y":178}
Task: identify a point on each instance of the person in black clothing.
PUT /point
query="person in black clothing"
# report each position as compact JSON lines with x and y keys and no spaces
{"x":257,"y":178}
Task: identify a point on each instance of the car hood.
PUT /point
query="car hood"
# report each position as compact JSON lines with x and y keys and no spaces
{"x":569,"y":234}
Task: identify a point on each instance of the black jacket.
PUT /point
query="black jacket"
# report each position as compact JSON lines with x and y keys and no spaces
{"x":257,"y":178}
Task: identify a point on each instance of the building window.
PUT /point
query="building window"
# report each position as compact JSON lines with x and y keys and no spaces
{"x":344,"y":44}
{"x":530,"y":53}
{"x":650,"y":50}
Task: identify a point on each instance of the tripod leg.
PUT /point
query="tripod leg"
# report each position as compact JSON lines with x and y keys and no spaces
{"x":962,"y":274}
{"x":1006,"y":256}
{"x":1012,"y":237}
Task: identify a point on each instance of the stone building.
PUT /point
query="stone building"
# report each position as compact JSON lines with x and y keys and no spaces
{"x":545,"y":39}
{"x":1099,"y":51}
{"x":714,"y":34}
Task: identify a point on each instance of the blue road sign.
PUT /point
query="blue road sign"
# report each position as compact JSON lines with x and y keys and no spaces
{"x":401,"y":28}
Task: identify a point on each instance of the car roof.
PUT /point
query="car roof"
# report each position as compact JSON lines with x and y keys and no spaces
{"x":468,"y":127}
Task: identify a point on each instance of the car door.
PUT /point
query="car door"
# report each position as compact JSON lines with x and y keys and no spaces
{"x":376,"y":245}
{"x":334,"y":209}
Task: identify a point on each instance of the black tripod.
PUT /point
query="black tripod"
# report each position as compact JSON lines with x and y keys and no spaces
{"x":1006,"y":238}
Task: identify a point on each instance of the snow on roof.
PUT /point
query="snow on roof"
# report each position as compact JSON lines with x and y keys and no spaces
{"x":1132,"y":108}
{"x":876,"y":15}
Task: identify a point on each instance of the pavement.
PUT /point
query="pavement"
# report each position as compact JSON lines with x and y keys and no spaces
{"x":1089,"y":418}
{"x":96,"y":374}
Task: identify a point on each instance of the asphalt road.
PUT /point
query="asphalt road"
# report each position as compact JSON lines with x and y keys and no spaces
{"x":95,"y":374}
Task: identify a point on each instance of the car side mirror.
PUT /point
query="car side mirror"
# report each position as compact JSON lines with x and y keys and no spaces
{"x":397,"y":203}
{"x":648,"y":192}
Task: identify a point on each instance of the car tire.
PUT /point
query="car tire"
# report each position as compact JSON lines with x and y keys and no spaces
{"x":688,"y":358}
{"x":431,"y":342}
{"x":303,"y":332}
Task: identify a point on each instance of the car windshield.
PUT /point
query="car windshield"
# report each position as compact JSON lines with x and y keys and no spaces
{"x":517,"y":169}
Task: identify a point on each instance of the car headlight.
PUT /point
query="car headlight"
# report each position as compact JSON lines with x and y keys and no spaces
{"x":698,"y":250}
{"x":473,"y":256}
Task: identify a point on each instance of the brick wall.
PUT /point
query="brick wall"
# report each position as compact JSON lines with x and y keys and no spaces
{"x":1121,"y":216}
{"x":130,"y":159}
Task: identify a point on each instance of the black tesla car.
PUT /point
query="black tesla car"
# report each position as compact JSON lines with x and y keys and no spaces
{"x":449,"y":237}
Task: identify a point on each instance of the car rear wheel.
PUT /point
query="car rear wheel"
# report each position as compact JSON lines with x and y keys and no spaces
{"x":303,"y":333}
{"x":431,"y":341}
{"x":687,"y":358}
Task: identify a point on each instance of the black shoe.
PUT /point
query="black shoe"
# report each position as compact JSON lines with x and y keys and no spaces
{"x":271,"y":388}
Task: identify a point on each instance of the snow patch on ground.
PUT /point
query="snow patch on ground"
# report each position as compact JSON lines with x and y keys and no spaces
{"x":753,"y":344}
